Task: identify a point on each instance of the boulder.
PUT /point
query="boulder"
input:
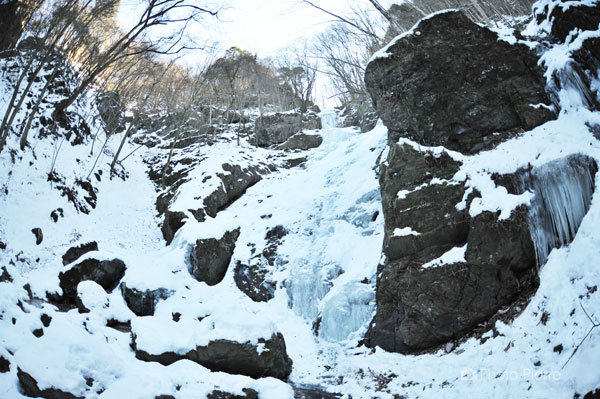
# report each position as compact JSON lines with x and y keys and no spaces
{"x":268,"y":358}
{"x":451,"y":82}
{"x":209,"y":258}
{"x":421,"y":306}
{"x":302,"y":141}
{"x":30,"y":388}
{"x":107,"y":273}
{"x":277,"y":128}
{"x":575,"y":15}
{"x":143,"y":302}
{"x":75,"y":253}
{"x":173,"y":222}
{"x":252,"y":281}
{"x":39,"y":236}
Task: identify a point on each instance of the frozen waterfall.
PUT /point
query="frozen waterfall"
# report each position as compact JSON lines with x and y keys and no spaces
{"x":563,"y":193}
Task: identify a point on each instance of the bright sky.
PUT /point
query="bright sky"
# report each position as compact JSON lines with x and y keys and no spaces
{"x":264,"y":26}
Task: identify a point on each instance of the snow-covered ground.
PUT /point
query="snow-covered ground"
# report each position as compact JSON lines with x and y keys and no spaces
{"x":325,"y":270}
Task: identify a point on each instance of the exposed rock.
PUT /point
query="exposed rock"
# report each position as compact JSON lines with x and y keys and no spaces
{"x":236,"y":181}
{"x":209,"y":258}
{"x":143,"y":303}
{"x":39,"y":236}
{"x":277,"y":128}
{"x":302,"y":141}
{"x":248,"y":394}
{"x":419,"y":307}
{"x":75,"y":253}
{"x":4,"y":365}
{"x":5,"y":276}
{"x":30,"y":388}
{"x":268,"y":359}
{"x":173,"y":222}
{"x":453,"y":83}
{"x":574,"y":16}
{"x":251,"y":280}
{"x":107,"y":273}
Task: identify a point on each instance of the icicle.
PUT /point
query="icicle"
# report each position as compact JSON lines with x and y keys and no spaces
{"x":570,"y":89}
{"x":563,"y":192}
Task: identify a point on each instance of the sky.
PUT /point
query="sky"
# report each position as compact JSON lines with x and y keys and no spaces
{"x":262,"y":27}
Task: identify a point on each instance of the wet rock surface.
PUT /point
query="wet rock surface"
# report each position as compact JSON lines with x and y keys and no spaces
{"x":453,"y":83}
{"x":209,"y":258}
{"x":268,"y":360}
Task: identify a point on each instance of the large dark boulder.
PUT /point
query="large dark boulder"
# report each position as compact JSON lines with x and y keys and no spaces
{"x":453,"y":83}
{"x":218,"y":394}
{"x":143,"y":302}
{"x":107,"y":273}
{"x":419,"y":304}
{"x":277,"y":128}
{"x":30,"y":388}
{"x":267,"y":359}
{"x":209,"y":258}
{"x":419,"y":307}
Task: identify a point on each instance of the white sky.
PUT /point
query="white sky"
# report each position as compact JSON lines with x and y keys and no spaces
{"x":262,"y":26}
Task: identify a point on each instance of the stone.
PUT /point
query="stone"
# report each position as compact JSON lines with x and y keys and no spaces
{"x":107,"y":273}
{"x":209,"y":258}
{"x":277,"y":128}
{"x":143,"y":302}
{"x":5,"y":276}
{"x":418,"y":308}
{"x":574,"y":16}
{"x":39,"y":236}
{"x":173,"y":221}
{"x":75,"y":253}
{"x":4,"y":365}
{"x":302,"y":141}
{"x":453,"y":83}
{"x":30,"y":388}
{"x":252,"y":281}
{"x":267,"y":359}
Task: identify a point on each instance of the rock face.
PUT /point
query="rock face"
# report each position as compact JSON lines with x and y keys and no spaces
{"x":143,"y":303}
{"x":173,"y":222}
{"x":107,"y":273}
{"x":234,"y":357}
{"x":417,"y":306}
{"x":453,"y":83}
{"x":302,"y":141}
{"x":475,"y":95}
{"x":209,"y":258}
{"x":277,"y":128}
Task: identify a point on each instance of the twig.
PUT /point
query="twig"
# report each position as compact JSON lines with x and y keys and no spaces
{"x":594,"y":325}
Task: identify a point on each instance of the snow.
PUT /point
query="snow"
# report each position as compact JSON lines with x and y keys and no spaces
{"x":325,"y":269}
{"x":405,"y":231}
{"x":454,"y":255}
